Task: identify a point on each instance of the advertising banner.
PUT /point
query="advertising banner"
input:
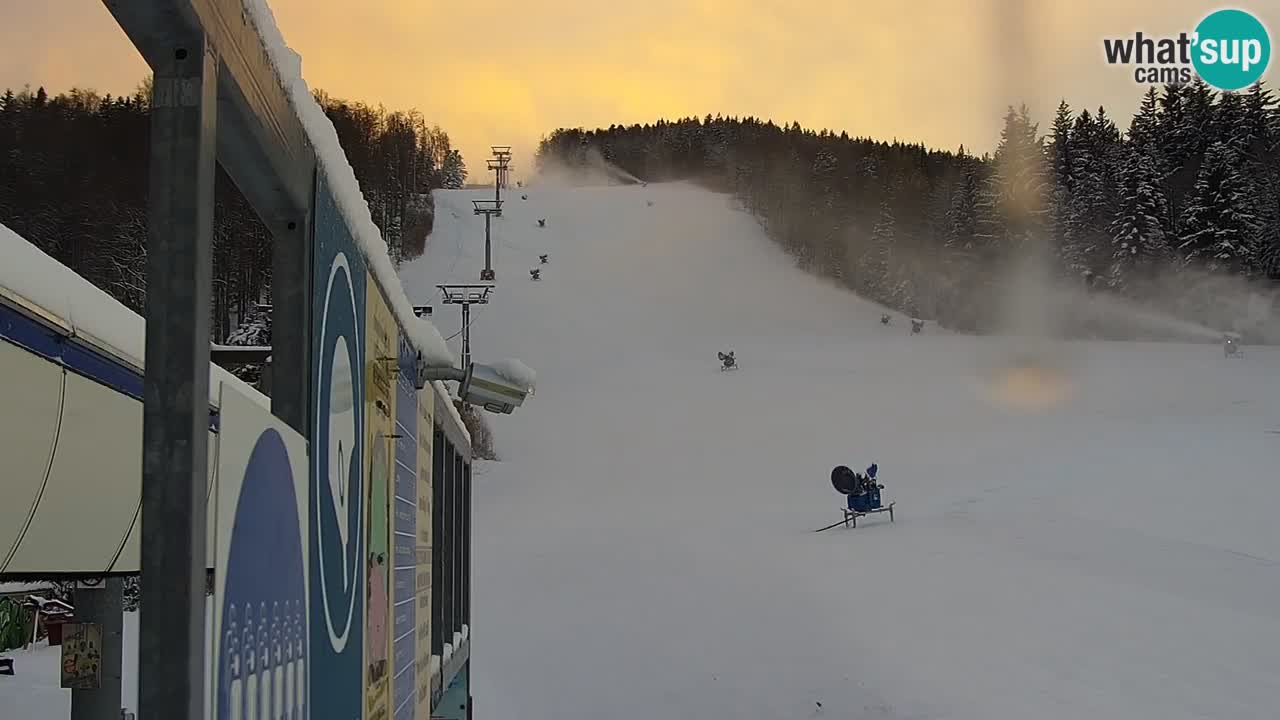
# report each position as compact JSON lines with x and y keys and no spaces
{"x":260,"y":639}
{"x":337,"y":489}
{"x":424,"y":427}
{"x":404,"y":542}
{"x":380,"y":369}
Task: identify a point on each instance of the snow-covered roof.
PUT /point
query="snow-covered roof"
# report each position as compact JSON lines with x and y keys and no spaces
{"x":342,"y":178}
{"x":59,"y":294}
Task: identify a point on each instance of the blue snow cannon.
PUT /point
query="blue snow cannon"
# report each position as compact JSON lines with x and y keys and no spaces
{"x":867,"y":500}
{"x":862,"y":494}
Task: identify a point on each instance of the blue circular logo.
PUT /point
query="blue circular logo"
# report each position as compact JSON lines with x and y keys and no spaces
{"x":263,"y":655}
{"x":338,"y":459}
{"x":1232,"y":49}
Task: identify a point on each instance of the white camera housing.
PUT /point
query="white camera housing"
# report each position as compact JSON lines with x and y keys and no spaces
{"x":484,"y":386}
{"x":478,"y":385}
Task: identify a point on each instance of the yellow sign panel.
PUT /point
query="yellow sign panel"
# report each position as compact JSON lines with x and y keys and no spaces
{"x":380,"y":367}
{"x":82,"y":656}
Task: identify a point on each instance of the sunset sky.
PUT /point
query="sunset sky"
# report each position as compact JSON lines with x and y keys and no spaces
{"x":501,"y":72}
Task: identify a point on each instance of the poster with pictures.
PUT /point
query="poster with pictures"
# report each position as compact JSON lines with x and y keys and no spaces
{"x":261,"y":643}
{"x":379,"y":373}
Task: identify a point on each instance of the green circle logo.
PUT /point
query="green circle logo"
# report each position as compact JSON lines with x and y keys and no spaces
{"x":1232,"y":49}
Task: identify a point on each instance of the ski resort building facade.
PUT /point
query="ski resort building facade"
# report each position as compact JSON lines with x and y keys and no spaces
{"x":335,"y":517}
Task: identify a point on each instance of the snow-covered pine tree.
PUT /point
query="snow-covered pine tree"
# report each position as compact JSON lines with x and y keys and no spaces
{"x":1012,"y":208}
{"x":876,"y":258}
{"x":962,"y":219}
{"x":1139,"y":240}
{"x":1263,"y":111}
{"x":1061,"y":161}
{"x":1186,"y":139}
{"x":827,"y":209}
{"x":1060,"y":146}
{"x":1144,"y":128}
{"x":453,"y":173}
{"x":1086,"y":233}
{"x":1229,"y":127}
{"x":1260,"y":138}
{"x":1267,"y":262}
{"x":1220,"y":226}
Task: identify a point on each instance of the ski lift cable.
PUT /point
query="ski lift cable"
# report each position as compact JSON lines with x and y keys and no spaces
{"x":474,"y":316}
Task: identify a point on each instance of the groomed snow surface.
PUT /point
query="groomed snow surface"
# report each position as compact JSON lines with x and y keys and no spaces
{"x":644,"y":550}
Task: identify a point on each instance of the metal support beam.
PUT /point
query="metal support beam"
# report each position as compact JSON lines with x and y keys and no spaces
{"x":488,"y":252}
{"x":175,"y":427}
{"x":459,"y":535}
{"x":262,"y":146}
{"x":102,"y":605}
{"x":291,"y":323}
{"x":488,"y":208}
{"x":438,"y":539}
{"x":239,"y":354}
{"x":466,"y":545}
{"x":466,"y":335}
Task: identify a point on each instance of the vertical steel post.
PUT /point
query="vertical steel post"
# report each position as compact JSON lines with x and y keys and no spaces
{"x":291,"y":275}
{"x":466,"y":542}
{"x":176,"y":386}
{"x":488,"y":255}
{"x":438,"y":538}
{"x":458,"y":486}
{"x":466,"y":334}
{"x":103,"y":605}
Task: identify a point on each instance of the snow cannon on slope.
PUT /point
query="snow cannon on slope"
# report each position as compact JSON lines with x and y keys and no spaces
{"x":524,"y":197}
{"x":916,"y":326}
{"x":535,"y":274}
{"x":862,"y":495}
{"x":542,"y":223}
{"x":884,"y":319}
{"x":727,"y":361}
{"x":1231,"y":346}
{"x":543,"y":259}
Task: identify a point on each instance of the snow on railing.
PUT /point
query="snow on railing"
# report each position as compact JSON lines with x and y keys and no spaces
{"x":453,"y":410}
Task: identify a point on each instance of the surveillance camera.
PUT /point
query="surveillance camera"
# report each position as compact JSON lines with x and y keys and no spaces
{"x":477,"y":385}
{"x":484,"y":386}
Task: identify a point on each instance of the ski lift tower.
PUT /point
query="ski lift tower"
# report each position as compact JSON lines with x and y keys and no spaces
{"x":500,"y":164}
{"x":466,"y":295}
{"x":489,"y":209}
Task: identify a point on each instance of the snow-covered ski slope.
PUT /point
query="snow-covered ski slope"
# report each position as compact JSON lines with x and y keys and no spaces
{"x":644,"y":549}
